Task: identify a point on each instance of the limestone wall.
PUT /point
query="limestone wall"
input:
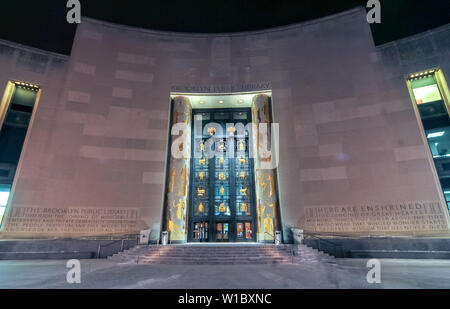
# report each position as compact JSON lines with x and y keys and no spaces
{"x":352,"y":159}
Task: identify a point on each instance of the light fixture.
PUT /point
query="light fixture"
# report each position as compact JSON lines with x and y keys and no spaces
{"x":220,"y":102}
{"x":240,"y":101}
{"x":201,"y":102}
{"x":435,"y":134}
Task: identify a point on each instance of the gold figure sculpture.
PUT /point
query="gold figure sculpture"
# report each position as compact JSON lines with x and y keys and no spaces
{"x":222,"y":207}
{"x":202,"y":146}
{"x":211,"y":131}
{"x":174,"y":228}
{"x":200,"y":207}
{"x":243,"y":191}
{"x":222,"y":176}
{"x":244,"y":207}
{"x":183,"y":180}
{"x":172,"y":174}
{"x":242,"y":174}
{"x":268,"y":225}
{"x":201,"y":175}
{"x":202,"y":161}
{"x":231,"y":130}
{"x":262,"y":184}
{"x":241,"y":146}
{"x":200,"y":192}
{"x":271,"y":185}
{"x":179,"y":206}
{"x":270,"y":205}
{"x":221,"y":146}
{"x":222,"y":190}
{"x":261,"y":209}
{"x":241,"y":160}
{"x":221,"y":160}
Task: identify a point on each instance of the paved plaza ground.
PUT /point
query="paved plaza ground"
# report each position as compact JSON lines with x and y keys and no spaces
{"x":346,"y":273}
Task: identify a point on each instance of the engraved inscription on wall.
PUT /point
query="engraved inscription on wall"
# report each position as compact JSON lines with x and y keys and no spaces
{"x":24,"y":219}
{"x":399,"y":217}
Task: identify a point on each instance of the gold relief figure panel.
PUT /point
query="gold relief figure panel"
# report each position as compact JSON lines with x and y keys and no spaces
{"x":271,"y":185}
{"x":243,"y":191}
{"x":241,"y":160}
{"x":173,"y":228}
{"x":241,"y":146}
{"x":211,"y":131}
{"x":268,"y":225}
{"x":202,"y":161}
{"x":172,"y":174}
{"x":261,"y":210}
{"x":201,"y":208}
{"x":262,"y":183}
{"x":242,"y":174}
{"x":222,"y":176}
{"x":231,"y":130}
{"x":271,"y":204}
{"x":222,"y":190}
{"x":183,"y":181}
{"x":180,"y":207}
{"x":222,"y":207}
{"x":200,"y":192}
{"x":221,"y":146}
{"x":201,"y":175}
{"x":244,"y":207}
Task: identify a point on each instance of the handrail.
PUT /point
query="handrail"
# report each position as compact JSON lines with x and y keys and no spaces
{"x":339,"y":246}
{"x":100,"y":246}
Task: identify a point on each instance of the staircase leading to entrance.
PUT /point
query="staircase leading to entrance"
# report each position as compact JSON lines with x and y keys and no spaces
{"x":221,"y":254}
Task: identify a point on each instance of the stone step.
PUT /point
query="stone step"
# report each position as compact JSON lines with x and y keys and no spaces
{"x":220,"y":255}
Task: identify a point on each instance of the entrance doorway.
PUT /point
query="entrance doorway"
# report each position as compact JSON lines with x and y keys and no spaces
{"x":222,"y":204}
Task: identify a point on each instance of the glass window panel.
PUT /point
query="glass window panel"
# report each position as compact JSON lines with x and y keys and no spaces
{"x":4,"y":195}
{"x":427,"y":94}
{"x":248,"y":230}
{"x":222,"y":115}
{"x":240,"y":230}
{"x":240,"y":115}
{"x":225,"y":231}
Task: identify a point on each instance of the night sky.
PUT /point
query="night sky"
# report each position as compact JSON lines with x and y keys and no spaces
{"x":42,"y":23}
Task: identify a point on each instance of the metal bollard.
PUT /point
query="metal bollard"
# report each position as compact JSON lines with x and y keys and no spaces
{"x":278,"y":238}
{"x":164,"y":238}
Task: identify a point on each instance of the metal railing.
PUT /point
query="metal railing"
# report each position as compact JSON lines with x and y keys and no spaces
{"x":325,"y":244}
{"x":122,"y":244}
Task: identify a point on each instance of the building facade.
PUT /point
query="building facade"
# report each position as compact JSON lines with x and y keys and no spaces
{"x":350,"y":146}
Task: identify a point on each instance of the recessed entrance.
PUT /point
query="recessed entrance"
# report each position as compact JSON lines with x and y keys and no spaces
{"x":222,"y":200}
{"x":221,"y":179}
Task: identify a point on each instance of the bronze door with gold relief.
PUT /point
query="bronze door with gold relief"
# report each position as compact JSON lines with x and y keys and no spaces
{"x":222,"y":196}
